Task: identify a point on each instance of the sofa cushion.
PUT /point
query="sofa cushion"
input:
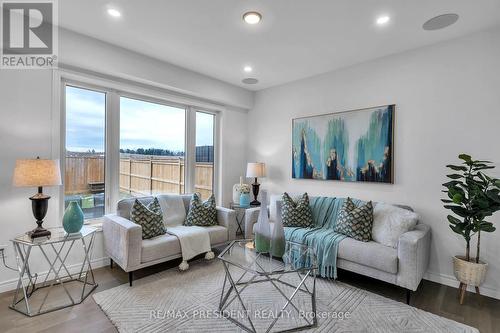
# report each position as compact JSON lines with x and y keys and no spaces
{"x":149,"y":217}
{"x":390,"y":222}
{"x":218,"y":234}
{"x":356,"y":222}
{"x":174,"y":212}
{"x":159,"y":247}
{"x":296,"y":213}
{"x":202,"y":213}
{"x":371,"y":254}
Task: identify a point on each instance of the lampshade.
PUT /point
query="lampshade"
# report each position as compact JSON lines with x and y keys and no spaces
{"x":37,"y":172}
{"x":256,"y":169}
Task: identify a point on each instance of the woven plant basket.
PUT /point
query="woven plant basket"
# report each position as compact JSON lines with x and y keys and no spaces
{"x":469,"y":273}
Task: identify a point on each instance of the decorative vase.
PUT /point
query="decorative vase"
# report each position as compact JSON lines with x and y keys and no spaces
{"x":244,"y":199}
{"x":236,"y":193}
{"x":73,"y":218}
{"x":263,"y":228}
{"x":278,"y":238}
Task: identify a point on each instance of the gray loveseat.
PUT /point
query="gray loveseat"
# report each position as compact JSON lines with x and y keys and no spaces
{"x":403,"y":266}
{"x":124,"y":244}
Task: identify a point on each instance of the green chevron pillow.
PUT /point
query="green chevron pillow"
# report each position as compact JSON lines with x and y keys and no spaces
{"x":355,"y":222}
{"x":149,"y":217}
{"x":296,"y":213}
{"x":200,"y":213}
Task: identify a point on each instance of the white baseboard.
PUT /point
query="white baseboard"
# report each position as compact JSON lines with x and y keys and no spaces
{"x":451,"y":281}
{"x":75,"y":268}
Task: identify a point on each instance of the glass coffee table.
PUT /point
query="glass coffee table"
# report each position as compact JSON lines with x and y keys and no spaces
{"x":261,"y":293}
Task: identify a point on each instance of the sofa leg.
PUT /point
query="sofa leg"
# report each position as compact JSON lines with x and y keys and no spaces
{"x":408,"y":296}
{"x":111,"y":263}
{"x":130,"y":278}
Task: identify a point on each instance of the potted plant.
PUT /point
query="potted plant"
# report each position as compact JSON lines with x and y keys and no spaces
{"x":472,"y":197}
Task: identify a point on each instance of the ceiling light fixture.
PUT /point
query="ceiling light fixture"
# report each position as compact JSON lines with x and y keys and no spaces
{"x":250,"y":80}
{"x":247,"y":69}
{"x":440,"y":22}
{"x":252,"y":17}
{"x":383,"y":20}
{"x":114,"y":12}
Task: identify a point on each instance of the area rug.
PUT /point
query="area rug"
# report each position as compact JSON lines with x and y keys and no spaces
{"x":173,"y":301}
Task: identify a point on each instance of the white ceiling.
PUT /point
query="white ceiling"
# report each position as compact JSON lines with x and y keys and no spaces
{"x":295,"y":39}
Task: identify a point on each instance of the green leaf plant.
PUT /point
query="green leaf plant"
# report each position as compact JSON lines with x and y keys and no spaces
{"x":473,"y":196}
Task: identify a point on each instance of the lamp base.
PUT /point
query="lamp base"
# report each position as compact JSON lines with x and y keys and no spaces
{"x":255,"y":190}
{"x":39,"y":232}
{"x":39,"y":205}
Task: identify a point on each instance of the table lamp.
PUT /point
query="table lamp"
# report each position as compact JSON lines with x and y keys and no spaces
{"x":255,"y":170}
{"x":38,"y":173}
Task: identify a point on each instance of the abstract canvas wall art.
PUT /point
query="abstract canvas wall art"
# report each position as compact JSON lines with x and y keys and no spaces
{"x":347,"y":146}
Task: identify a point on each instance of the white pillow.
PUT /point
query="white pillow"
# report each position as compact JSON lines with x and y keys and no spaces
{"x":174,"y":212}
{"x":390,"y":222}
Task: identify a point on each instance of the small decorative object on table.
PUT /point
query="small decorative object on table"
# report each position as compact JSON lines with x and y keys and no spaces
{"x":244,"y":199}
{"x":236,"y":190}
{"x":73,"y":218}
{"x":38,"y":173}
{"x":473,"y":196}
{"x":263,"y":228}
{"x":255,"y":170}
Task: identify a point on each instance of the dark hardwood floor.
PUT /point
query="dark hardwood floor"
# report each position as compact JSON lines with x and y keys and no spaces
{"x":477,"y":311}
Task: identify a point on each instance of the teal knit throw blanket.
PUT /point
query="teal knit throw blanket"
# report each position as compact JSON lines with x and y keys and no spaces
{"x":321,"y":237}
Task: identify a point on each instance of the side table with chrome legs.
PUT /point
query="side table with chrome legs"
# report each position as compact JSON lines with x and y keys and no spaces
{"x":63,"y":285}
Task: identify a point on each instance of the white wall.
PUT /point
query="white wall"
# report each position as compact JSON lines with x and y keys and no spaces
{"x":447,"y":102}
{"x":26,"y":127}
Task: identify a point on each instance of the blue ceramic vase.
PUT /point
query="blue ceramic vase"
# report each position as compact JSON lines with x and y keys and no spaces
{"x":73,"y":218}
{"x":244,"y":199}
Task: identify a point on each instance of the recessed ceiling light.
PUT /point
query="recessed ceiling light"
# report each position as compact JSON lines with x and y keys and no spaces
{"x":440,"y":22}
{"x":247,"y":69}
{"x":383,"y":20}
{"x":252,"y":17}
{"x":250,"y":80}
{"x":114,"y":12}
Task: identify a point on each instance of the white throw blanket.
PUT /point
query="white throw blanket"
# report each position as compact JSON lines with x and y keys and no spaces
{"x":194,"y":240}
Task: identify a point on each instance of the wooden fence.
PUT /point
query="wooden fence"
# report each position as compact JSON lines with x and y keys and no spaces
{"x":138,"y":175}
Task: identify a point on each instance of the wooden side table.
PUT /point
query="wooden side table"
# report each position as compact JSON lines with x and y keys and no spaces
{"x":31,"y":297}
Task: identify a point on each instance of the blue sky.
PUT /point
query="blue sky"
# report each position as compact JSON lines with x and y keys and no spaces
{"x":142,"y":124}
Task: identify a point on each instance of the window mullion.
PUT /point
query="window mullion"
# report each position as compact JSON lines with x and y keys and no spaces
{"x":190,"y":157}
{"x":112,"y":166}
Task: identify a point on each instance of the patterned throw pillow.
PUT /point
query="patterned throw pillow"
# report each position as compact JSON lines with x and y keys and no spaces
{"x":356,"y":222}
{"x":150,"y":218}
{"x":200,"y":213}
{"x":296,"y":214}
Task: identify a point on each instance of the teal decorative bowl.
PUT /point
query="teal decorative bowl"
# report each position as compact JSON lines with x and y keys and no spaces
{"x":73,"y":218}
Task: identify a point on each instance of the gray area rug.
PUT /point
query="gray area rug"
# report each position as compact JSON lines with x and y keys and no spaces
{"x":174,"y":301}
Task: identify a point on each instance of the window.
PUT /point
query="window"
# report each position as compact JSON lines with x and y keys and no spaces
{"x":204,"y":172}
{"x":85,"y":150}
{"x":118,"y":146}
{"x":152,"y":148}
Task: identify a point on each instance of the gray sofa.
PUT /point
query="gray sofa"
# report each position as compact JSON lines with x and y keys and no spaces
{"x":403,"y":266}
{"x":124,"y":244}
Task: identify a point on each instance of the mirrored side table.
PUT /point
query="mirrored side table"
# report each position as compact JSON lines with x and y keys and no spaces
{"x":63,"y":285}
{"x":240,"y":216}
